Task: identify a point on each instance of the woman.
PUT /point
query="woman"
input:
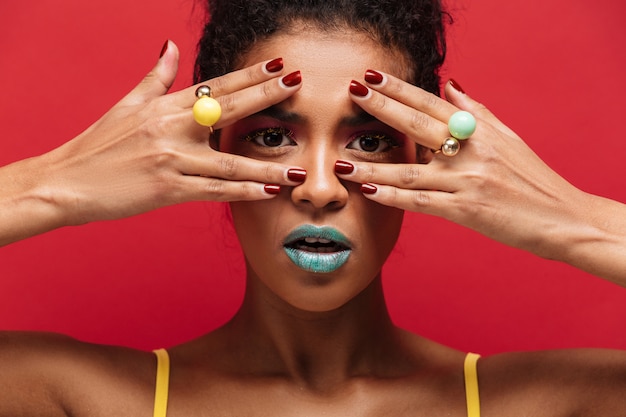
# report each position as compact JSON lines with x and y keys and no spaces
{"x":317,"y":336}
{"x":179,"y":242}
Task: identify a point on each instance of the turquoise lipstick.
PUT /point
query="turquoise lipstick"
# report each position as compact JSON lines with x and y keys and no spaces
{"x":317,"y":249}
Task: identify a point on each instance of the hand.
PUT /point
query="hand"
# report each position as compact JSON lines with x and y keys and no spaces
{"x":148,"y":152}
{"x":495,"y":185}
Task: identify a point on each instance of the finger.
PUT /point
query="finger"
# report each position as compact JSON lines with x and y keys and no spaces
{"x":410,"y":95}
{"x":196,"y":188}
{"x":420,"y":127}
{"x":421,"y":201}
{"x":231,"y":82}
{"x":455,"y":95}
{"x":406,"y":176}
{"x":253,"y":99}
{"x":159,"y":80}
{"x":203,"y":161}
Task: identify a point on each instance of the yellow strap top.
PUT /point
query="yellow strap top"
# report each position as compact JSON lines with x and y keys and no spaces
{"x":163,"y":379}
{"x":162,"y":383}
{"x":471,"y":385}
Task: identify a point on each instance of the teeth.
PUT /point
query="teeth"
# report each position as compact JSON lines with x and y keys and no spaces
{"x":316,"y":240}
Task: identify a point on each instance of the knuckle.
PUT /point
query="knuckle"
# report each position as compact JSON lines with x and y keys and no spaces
{"x":218,"y":85}
{"x":228,"y":166}
{"x":420,"y":200}
{"x":432,"y":101}
{"x":251,"y":74}
{"x":244,"y":191}
{"x":378,"y":102}
{"x":409,"y":174}
{"x":270,"y":173}
{"x":215,"y":189}
{"x":164,"y":156}
{"x":266,"y":90}
{"x":228,"y":103}
{"x":419,"y":122}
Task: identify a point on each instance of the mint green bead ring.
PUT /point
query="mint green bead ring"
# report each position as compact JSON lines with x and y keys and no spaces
{"x":462,"y":125}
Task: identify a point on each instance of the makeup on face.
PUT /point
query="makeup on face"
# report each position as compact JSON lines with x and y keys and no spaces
{"x":317,"y":249}
{"x":319,"y":242}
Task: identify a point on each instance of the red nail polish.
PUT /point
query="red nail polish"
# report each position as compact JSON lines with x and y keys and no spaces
{"x":456,"y":86}
{"x":292,"y":79}
{"x":274,"y":65}
{"x":272,"y":188}
{"x":298,"y":175}
{"x":358,"y":89}
{"x":368,"y":189}
{"x":373,"y":77}
{"x":164,"y":48}
{"x":343,"y":167}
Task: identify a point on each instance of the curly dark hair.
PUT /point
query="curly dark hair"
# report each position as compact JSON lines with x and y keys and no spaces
{"x":414,"y":28}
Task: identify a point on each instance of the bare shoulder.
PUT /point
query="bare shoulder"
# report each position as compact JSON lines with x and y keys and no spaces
{"x":556,"y":383}
{"x":47,"y":374}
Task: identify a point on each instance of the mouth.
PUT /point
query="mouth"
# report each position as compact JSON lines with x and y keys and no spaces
{"x":317,"y":249}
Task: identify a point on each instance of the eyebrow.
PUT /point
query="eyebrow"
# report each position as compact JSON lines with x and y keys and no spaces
{"x":275,"y":112}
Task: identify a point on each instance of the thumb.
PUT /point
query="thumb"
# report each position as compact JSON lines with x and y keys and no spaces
{"x":159,"y":80}
{"x":457,"y":96}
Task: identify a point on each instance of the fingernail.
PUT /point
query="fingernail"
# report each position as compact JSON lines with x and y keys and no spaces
{"x":272,"y":188}
{"x":456,"y":86}
{"x":358,"y":89}
{"x":373,"y":77}
{"x":298,"y":175}
{"x":368,"y":189}
{"x":343,"y":167}
{"x":292,"y":79}
{"x":164,"y":48}
{"x":274,"y":65}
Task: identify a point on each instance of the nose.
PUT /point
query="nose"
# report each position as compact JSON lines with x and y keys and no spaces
{"x":321,"y":189}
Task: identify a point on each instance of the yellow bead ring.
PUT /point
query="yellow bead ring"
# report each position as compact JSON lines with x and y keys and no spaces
{"x":206,"y":110}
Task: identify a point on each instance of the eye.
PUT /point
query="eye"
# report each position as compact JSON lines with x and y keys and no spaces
{"x":271,"y":137}
{"x":373,"y":142}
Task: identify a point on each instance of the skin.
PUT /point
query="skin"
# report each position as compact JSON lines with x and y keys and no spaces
{"x":301,"y":344}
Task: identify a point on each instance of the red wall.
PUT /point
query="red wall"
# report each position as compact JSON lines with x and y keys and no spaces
{"x":553,"y":72}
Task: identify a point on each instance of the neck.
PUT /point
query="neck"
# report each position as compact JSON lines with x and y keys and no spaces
{"x":317,"y":349}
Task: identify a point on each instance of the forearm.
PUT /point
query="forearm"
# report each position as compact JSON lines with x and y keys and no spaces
{"x":27,"y":206}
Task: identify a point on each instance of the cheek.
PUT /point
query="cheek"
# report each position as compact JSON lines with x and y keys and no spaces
{"x":249,"y":220}
{"x":257,"y":224}
{"x":382,"y":225}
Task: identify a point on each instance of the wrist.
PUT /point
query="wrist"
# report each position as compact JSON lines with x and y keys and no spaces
{"x":29,"y":206}
{"x":593,"y":236}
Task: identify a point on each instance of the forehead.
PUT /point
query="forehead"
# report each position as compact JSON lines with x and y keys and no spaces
{"x":336,"y":54}
{"x":328,"y":62}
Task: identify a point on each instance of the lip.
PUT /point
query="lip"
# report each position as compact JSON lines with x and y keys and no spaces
{"x":319,"y":262}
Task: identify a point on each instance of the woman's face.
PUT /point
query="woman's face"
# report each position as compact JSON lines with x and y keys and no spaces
{"x":319,"y":244}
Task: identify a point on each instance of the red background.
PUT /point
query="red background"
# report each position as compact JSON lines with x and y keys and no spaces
{"x":553,"y":72}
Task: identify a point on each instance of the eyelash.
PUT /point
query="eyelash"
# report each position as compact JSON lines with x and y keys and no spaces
{"x":250,"y":137}
{"x":288,"y":134}
{"x":390,"y":140}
